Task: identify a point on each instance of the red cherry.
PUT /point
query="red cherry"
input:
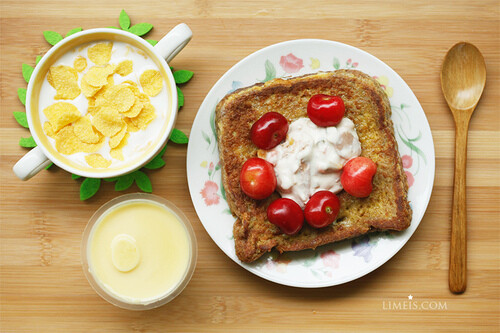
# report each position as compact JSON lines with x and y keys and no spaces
{"x":322,"y":209}
{"x":257,"y":178}
{"x":325,"y":110}
{"x":357,"y":176}
{"x":286,"y":214}
{"x":269,"y":130}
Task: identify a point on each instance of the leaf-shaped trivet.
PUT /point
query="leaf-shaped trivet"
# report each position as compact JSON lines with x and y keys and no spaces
{"x":52,"y":37}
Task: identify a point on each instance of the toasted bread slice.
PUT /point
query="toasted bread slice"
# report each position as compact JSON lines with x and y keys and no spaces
{"x":367,"y":105}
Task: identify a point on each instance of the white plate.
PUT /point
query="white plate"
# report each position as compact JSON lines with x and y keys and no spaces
{"x":331,"y":264}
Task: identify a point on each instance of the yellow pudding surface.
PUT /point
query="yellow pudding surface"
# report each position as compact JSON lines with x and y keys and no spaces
{"x":138,"y":251}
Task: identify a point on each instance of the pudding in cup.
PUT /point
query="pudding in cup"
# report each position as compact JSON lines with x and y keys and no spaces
{"x":138,"y":251}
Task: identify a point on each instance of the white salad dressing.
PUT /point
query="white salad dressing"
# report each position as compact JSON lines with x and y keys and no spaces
{"x":311,"y":158}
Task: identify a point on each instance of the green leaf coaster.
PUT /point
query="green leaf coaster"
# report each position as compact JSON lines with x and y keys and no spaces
{"x":124,"y":20}
{"x":21,"y":93}
{"x":73,"y":31}
{"x":89,"y":188}
{"x":142,"y":181}
{"x":180,"y":97}
{"x":27,"y":71}
{"x":21,"y":118}
{"x":182,"y":76}
{"x":155,"y":163}
{"x":178,"y":136}
{"x":27,"y":142}
{"x":140,"y":29}
{"x":52,"y":37}
{"x":124,"y":182}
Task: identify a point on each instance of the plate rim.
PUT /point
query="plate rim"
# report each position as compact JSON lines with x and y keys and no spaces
{"x":427,"y":195}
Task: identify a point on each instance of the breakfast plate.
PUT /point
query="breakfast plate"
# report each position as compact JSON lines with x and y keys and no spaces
{"x":330,"y":264}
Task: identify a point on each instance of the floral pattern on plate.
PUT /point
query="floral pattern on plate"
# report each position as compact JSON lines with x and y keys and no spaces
{"x":333,"y":263}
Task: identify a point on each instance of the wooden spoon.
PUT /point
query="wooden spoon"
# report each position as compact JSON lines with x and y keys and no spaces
{"x":463,"y":77}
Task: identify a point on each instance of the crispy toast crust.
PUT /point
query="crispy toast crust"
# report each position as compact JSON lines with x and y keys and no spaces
{"x":387,"y":208}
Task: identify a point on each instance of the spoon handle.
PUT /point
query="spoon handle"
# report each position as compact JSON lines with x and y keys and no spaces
{"x":458,"y":245}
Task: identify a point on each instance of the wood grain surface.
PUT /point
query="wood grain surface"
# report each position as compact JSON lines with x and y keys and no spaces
{"x":42,"y":285}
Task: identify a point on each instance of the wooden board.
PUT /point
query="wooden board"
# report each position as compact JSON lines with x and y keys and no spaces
{"x":42,"y":285}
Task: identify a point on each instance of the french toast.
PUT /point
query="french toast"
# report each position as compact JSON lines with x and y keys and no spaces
{"x":366,"y":104}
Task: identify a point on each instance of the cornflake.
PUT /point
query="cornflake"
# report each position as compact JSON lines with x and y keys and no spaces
{"x":120,"y":98}
{"x":97,"y":161}
{"x":80,"y":64}
{"x":61,"y":114}
{"x":124,"y":68}
{"x":151,"y":82}
{"x":68,"y":143}
{"x":87,"y":89}
{"x":65,"y":80}
{"x":85,"y":131}
{"x":100,"y":54}
{"x":117,"y":152}
{"x":98,"y":76}
{"x":48,"y":129}
{"x":116,"y":139}
{"x":108,"y":121}
{"x":147,"y":114}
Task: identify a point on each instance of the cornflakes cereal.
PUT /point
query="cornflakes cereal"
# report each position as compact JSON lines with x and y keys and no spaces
{"x":99,"y":96}
{"x":117,"y":152}
{"x":48,"y":129}
{"x":137,"y":92}
{"x":97,"y":161}
{"x":130,"y":125}
{"x":115,"y":140}
{"x":100,"y":54}
{"x":147,"y":114}
{"x":61,"y":114}
{"x":143,"y":98}
{"x":120,"y":97}
{"x":85,"y":131}
{"x":92,"y":110}
{"x":134,"y":110}
{"x":111,"y":81}
{"x":68,"y":143}
{"x":79,"y":64}
{"x":107,"y":121}
{"x":113,"y":111}
{"x":61,"y":71}
{"x":124,"y":68}
{"x":87,"y":89}
{"x":98,"y":76}
{"x":49,"y":79}
{"x":65,"y":80}
{"x":151,"y":82}
{"x":132,"y":83}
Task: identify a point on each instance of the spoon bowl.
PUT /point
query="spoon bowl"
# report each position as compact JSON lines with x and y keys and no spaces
{"x":463,"y":77}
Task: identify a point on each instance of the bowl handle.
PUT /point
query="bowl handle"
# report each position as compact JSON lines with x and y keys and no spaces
{"x":31,"y":164}
{"x":173,"y":42}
